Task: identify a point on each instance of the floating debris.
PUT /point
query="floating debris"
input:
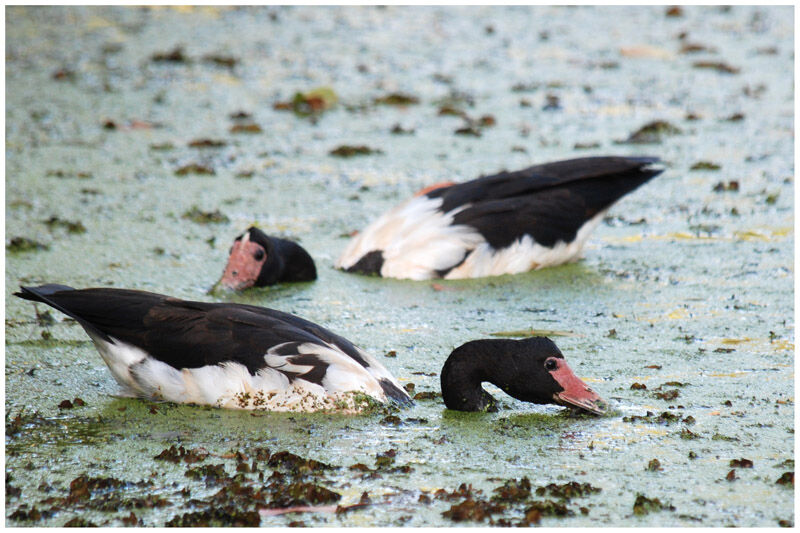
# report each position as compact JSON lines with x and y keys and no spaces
{"x":346,"y":150}
{"x":487,"y":121}
{"x":717,"y":66}
{"x":693,"y":48}
{"x":674,"y":11}
{"x":396,"y":99}
{"x":71,"y":227}
{"x":296,"y":464}
{"x":525,"y":87}
{"x":644,"y":505}
{"x":552,"y":103}
{"x":736,"y":117}
{"x":23,"y":513}
{"x":705,"y":165}
{"x":687,"y":434}
{"x":549,"y":508}
{"x":175,"y":55}
{"x":654,"y":465}
{"x":651,"y":133}
{"x":741,"y":463}
{"x":195,"y":168}
{"x":23,"y":244}
{"x":66,"y":404}
{"x":67,"y":174}
{"x":586,"y":146}
{"x":221,"y":60}
{"x":474,"y":510}
{"x":469,"y":129}
{"x":569,"y":490}
{"x":217,"y":517}
{"x":176,"y":455}
{"x":207,"y":143}
{"x":64,"y":74}
{"x":251,"y":127}
{"x":211,"y":474}
{"x":667,"y":395}
{"x":205,"y":217}
{"x":726,"y":186}
{"x":513,"y":490}
{"x":448,"y":110}
{"x":664,"y":418}
{"x":397,"y":129}
{"x":312,"y":103}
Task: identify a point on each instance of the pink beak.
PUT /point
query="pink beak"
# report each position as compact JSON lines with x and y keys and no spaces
{"x":242,"y":269}
{"x":576,"y":393}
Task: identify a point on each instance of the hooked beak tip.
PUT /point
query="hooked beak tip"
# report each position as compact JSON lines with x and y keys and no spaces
{"x":594,"y":404}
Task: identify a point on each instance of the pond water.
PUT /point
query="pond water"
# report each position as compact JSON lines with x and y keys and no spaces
{"x":686,"y":287}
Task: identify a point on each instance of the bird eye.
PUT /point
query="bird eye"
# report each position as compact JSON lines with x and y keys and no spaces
{"x":550,"y":365}
{"x":259,"y":255}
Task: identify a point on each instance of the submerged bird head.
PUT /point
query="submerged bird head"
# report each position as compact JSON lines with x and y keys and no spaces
{"x":532,"y":370}
{"x":248,"y":256}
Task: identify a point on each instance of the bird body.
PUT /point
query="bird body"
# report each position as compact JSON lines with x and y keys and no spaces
{"x":225,"y":355}
{"x":507,"y":223}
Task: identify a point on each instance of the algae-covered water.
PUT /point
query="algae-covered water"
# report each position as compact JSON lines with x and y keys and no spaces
{"x":680,"y":315}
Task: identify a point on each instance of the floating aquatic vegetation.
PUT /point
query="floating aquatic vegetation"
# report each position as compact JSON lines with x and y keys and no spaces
{"x":23,"y":244}
{"x":346,"y":150}
{"x":644,"y":505}
{"x":195,"y":214}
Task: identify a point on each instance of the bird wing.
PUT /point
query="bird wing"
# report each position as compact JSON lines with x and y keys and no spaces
{"x":550,"y":202}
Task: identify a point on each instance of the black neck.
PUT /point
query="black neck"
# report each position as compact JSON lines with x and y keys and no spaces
{"x":462,"y":375}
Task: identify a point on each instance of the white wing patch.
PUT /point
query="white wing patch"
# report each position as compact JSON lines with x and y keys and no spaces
{"x":231,"y":385}
{"x":416,"y":240}
{"x":343,"y":373}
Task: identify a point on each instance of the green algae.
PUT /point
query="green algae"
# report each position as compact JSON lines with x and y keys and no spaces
{"x":665,"y":290}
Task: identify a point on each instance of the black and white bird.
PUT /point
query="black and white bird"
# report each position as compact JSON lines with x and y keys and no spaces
{"x":219,"y":354}
{"x":532,"y":370}
{"x":507,"y":223}
{"x":257,"y":260}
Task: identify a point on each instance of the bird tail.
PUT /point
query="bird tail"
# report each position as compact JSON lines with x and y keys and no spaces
{"x":46,"y":294}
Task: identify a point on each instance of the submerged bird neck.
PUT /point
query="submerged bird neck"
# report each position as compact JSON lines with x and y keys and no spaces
{"x":462,"y":375}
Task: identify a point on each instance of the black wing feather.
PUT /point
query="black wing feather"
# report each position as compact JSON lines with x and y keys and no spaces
{"x":550,"y":202}
{"x":186,"y":334}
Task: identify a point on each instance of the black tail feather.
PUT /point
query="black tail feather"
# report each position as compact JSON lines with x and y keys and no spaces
{"x":397,"y":395}
{"x":45,"y":293}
